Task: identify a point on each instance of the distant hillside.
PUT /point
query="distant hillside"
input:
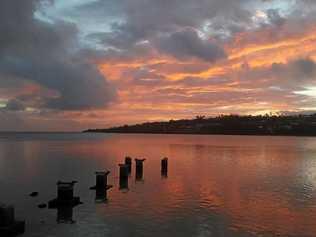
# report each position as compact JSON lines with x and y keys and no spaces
{"x":294,"y":125}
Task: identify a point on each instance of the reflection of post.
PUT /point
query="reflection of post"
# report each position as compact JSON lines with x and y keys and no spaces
{"x":139,"y":169}
{"x":101,"y":195}
{"x":128,"y":162}
{"x":64,"y":215}
{"x":124,"y":185}
{"x":8,"y":225}
{"x":123,"y":176}
{"x":164,"y":167}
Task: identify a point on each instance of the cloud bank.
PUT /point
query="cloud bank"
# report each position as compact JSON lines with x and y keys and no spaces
{"x":102,"y":62}
{"x":46,"y":54}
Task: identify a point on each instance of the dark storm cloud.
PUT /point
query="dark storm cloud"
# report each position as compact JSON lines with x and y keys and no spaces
{"x":79,"y":85}
{"x":122,"y":36}
{"x":148,"y":20}
{"x":300,"y":70}
{"x":168,"y":15}
{"x":186,"y":44}
{"x":45,"y":54}
{"x":160,"y":23}
{"x":14,"y":105}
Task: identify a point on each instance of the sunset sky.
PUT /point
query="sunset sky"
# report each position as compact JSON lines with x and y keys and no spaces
{"x":76,"y":64}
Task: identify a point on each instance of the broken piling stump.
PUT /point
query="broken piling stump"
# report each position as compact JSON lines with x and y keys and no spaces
{"x":8,"y":225}
{"x":139,"y":168}
{"x":101,"y":186}
{"x":164,"y":167}
{"x":128,"y":162}
{"x":102,"y":181}
{"x":65,"y":195}
{"x":123,"y":176}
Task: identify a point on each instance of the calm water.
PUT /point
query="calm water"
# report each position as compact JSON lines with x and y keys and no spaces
{"x":216,"y":185}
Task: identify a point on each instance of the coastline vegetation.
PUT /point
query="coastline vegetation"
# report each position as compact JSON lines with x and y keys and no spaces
{"x":285,"y":125}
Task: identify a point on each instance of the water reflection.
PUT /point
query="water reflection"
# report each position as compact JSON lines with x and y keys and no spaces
{"x":220,"y":185}
{"x":101,"y":196}
{"x":164,"y":174}
{"x":139,"y":177}
{"x":123,"y":185}
{"x":65,"y":215}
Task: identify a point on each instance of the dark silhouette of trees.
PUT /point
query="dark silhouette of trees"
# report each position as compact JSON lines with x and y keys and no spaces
{"x":294,"y":125}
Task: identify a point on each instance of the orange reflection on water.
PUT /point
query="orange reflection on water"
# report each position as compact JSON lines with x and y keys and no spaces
{"x":225,"y":185}
{"x":255,"y":181}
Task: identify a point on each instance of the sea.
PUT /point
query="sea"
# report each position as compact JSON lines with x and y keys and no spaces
{"x":217,"y":186}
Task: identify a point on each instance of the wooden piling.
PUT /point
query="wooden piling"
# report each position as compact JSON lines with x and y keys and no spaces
{"x":139,"y":168}
{"x":65,"y":191}
{"x":128,"y":162}
{"x":101,"y":181}
{"x":164,"y":167}
{"x":123,"y":176}
{"x":65,"y":195}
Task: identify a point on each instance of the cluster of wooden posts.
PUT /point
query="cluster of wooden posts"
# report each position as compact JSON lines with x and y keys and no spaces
{"x":66,"y":200}
{"x":125,"y":170}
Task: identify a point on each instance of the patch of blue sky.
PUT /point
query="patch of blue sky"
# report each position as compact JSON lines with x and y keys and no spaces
{"x":69,"y":11}
{"x":285,"y":7}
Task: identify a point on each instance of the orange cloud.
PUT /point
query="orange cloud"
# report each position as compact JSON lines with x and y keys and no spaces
{"x":247,"y":52}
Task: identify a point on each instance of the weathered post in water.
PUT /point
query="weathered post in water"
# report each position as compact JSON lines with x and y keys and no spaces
{"x":65,"y":195}
{"x":64,"y":202}
{"x":8,"y":225}
{"x":65,"y":191}
{"x":123,"y":176}
{"x":128,"y":162}
{"x":139,"y":168}
{"x":164,"y":167}
{"x":101,"y":180}
{"x":101,"y":186}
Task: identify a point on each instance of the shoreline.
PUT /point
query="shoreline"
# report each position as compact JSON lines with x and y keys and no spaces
{"x":203,"y":134}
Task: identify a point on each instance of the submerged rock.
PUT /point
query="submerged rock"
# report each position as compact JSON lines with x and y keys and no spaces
{"x":42,"y":205}
{"x":33,"y":194}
